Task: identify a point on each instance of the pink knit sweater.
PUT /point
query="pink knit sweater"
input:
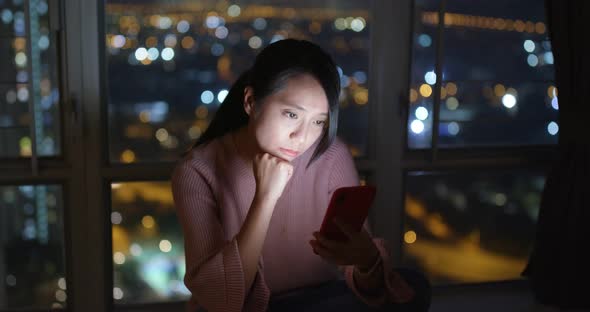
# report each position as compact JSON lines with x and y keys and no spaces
{"x":213,"y":189}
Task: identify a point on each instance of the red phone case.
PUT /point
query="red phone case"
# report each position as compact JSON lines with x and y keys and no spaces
{"x":349,"y":204}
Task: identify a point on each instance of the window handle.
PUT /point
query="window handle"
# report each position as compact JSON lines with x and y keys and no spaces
{"x":55,"y":15}
{"x":403,"y":105}
{"x":75,"y":131}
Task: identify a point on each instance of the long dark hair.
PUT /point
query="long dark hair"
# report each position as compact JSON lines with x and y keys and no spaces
{"x":273,"y":66}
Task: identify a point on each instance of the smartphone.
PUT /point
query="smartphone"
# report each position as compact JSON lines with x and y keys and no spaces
{"x":350,"y":205}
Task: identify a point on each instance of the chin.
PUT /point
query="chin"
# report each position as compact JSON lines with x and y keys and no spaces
{"x":284,"y":157}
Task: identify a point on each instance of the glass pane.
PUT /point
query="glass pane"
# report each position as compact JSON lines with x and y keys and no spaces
{"x":468,"y":227}
{"x":168,"y":71}
{"x":483,"y":113}
{"x":497,"y":41}
{"x":422,"y":71}
{"x":148,"y":252}
{"x":497,"y":68}
{"x":19,"y":86}
{"x":32,"y":270}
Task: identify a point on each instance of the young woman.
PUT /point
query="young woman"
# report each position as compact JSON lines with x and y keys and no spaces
{"x":251,"y":195}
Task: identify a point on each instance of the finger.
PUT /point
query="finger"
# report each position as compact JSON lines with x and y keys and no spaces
{"x":346,"y":228}
{"x":327,"y":255}
{"x":285,"y":166}
{"x":318,"y":246}
{"x":313,"y":244}
{"x":280,"y":159}
{"x":274,"y":159}
{"x":335,"y":246}
{"x":365,"y":233}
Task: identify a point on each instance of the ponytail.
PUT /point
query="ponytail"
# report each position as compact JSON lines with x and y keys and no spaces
{"x":231,"y":115}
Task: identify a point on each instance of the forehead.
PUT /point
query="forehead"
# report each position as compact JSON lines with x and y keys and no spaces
{"x":303,"y":90}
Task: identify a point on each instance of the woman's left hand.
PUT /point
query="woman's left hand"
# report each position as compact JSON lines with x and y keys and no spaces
{"x":359,"y":250}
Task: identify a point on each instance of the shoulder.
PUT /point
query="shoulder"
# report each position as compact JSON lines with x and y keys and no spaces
{"x":336,"y":155}
{"x":201,"y":160}
{"x":342,"y":170}
{"x":337,"y":152}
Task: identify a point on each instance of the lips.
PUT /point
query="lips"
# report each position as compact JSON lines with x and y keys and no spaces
{"x":289,"y":152}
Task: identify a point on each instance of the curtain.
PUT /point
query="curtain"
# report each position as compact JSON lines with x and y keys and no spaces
{"x":559,"y":265}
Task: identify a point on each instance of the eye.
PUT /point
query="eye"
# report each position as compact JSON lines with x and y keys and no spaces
{"x":290,"y":114}
{"x":321,"y":123}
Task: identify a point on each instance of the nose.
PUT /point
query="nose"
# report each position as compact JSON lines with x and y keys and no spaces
{"x":299,"y":134}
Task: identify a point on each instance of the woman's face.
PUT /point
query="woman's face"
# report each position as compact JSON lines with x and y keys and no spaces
{"x":290,"y":120}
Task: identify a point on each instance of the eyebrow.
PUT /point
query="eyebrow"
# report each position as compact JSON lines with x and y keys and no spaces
{"x":301,"y":107}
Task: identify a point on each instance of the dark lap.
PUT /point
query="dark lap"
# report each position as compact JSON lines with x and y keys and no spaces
{"x":336,"y":296}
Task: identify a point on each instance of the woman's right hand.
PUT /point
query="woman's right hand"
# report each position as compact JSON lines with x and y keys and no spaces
{"x":272,"y":175}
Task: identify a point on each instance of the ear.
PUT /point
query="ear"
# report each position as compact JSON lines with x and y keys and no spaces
{"x":249,"y":100}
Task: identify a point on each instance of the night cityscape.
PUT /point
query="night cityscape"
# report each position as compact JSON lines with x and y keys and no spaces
{"x":169,"y":65}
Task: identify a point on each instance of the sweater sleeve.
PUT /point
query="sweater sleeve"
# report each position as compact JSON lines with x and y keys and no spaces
{"x":214,"y":272}
{"x":343,"y":174}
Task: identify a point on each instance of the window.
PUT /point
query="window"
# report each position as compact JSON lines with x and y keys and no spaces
{"x":29,"y":89}
{"x":482,"y":100}
{"x":465,"y":227}
{"x":148,"y":253}
{"x":496,"y":76}
{"x":32,"y":247}
{"x":33,"y":180}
